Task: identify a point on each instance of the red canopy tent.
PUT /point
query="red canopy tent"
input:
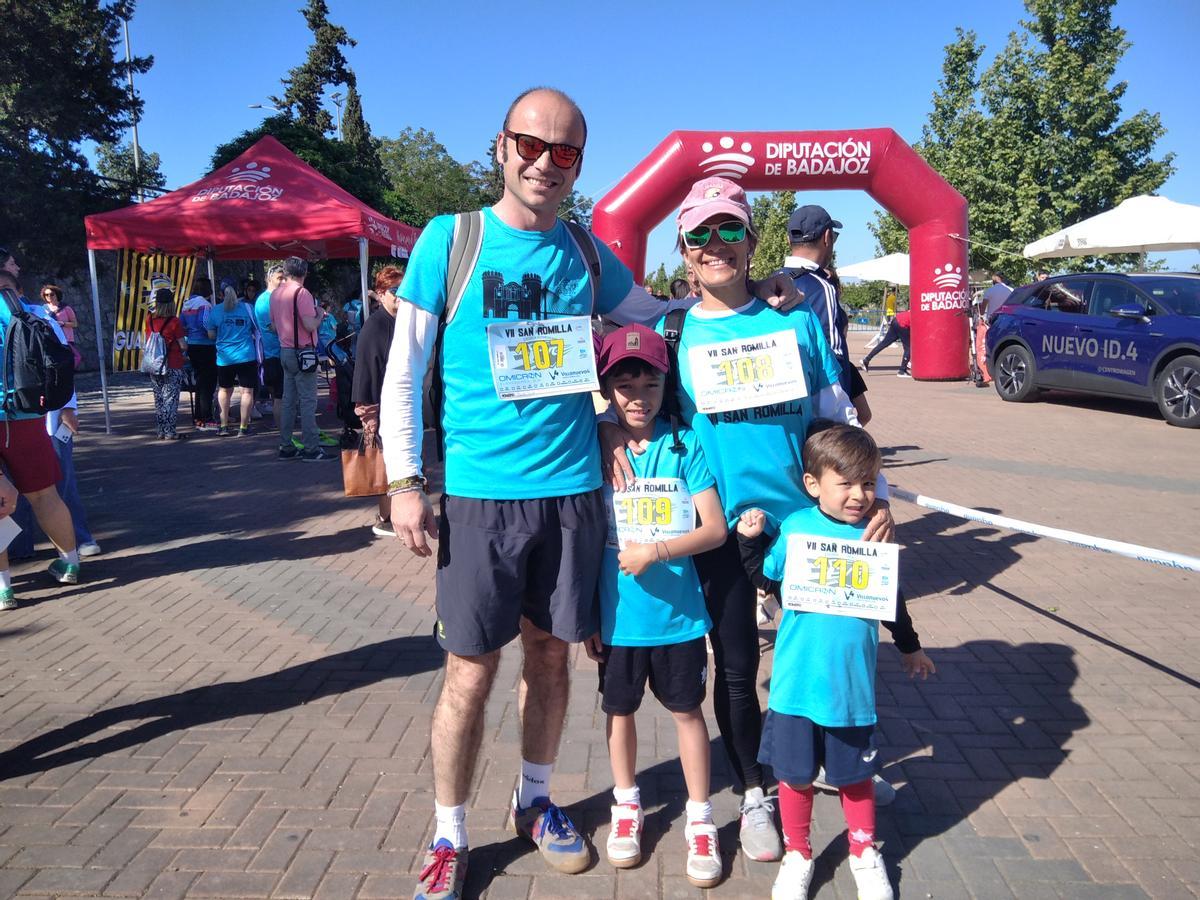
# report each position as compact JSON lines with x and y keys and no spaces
{"x":266,"y":204}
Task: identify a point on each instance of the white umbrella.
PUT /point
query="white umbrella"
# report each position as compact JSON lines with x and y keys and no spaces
{"x":1138,"y":225}
{"x":892,"y":268}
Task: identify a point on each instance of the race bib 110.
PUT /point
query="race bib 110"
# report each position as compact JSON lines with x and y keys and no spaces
{"x":542,"y":358}
{"x":755,"y":371}
{"x":841,"y":577}
{"x":652,"y":509}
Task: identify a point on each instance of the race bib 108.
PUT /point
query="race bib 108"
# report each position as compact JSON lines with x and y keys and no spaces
{"x":542,"y":358}
{"x":755,"y":371}
{"x":841,"y":577}
{"x":652,"y":509}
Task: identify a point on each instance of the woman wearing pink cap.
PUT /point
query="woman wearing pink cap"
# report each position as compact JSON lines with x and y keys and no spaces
{"x":751,"y":380}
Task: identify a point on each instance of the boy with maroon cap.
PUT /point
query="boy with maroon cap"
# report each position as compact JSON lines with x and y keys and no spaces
{"x":652,"y":614}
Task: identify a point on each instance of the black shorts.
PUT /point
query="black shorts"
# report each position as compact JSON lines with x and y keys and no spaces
{"x":795,"y":747}
{"x":676,"y":673}
{"x":852,"y":381}
{"x":273,"y":377}
{"x":499,"y":560}
{"x":245,"y":374}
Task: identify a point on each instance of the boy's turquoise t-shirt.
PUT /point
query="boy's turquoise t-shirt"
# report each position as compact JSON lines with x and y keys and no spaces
{"x":824,"y":665}
{"x":755,"y":452}
{"x":505,"y":449}
{"x":266,"y":332}
{"x":663,"y":605}
{"x":235,"y":334}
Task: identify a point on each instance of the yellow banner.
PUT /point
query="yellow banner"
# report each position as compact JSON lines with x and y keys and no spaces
{"x":139,"y":275}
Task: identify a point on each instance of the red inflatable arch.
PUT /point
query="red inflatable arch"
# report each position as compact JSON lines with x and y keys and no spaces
{"x":875,"y":160}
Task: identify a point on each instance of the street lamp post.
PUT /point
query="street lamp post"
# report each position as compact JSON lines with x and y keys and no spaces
{"x":338,"y":100}
{"x":137,"y":155}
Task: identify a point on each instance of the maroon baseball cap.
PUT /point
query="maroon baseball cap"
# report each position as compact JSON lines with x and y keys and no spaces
{"x":633,"y":341}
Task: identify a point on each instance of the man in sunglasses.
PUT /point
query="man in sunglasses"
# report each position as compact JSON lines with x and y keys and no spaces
{"x":811,"y":235}
{"x":522,"y":524}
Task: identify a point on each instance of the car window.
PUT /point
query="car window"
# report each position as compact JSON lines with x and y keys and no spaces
{"x":1064,"y":296}
{"x":1108,"y":295}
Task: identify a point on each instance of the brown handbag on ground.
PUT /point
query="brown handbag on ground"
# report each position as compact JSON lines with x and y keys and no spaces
{"x":363,"y":472}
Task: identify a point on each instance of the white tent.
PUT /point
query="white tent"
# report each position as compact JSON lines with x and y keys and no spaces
{"x":1138,"y":225}
{"x":892,"y":268}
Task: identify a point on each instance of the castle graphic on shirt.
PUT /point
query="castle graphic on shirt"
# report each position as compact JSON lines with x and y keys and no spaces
{"x":501,"y":299}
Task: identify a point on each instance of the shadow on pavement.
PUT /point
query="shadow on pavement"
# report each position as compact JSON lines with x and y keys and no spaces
{"x":287,"y":688}
{"x":942,"y":560}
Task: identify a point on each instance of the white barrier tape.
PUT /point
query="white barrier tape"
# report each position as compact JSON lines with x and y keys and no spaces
{"x":1133,"y":551}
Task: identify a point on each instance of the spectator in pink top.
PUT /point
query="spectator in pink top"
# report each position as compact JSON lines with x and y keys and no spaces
{"x":52,"y":297}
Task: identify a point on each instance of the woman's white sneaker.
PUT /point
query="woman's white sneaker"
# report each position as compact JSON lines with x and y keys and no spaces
{"x":870,"y":875}
{"x":624,"y":845}
{"x":795,"y":875}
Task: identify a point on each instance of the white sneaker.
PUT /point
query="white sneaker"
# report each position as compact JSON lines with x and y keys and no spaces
{"x":758,"y":835}
{"x":884,"y":792}
{"x":625,"y":839}
{"x":704,"y":855}
{"x":795,"y":875}
{"x":91,"y":548}
{"x":870,"y":875}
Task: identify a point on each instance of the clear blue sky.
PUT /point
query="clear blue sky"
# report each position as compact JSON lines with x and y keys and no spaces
{"x":639,"y":70}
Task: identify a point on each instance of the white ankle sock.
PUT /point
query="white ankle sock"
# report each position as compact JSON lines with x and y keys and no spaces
{"x":699,"y":811}
{"x":451,"y":824}
{"x":631,"y":796}
{"x":535,"y":783}
{"x":5,"y":580}
{"x":71,"y":557}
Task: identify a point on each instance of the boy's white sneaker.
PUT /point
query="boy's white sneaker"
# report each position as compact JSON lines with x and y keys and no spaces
{"x":625,"y":839}
{"x":795,"y":876}
{"x":870,"y":875}
{"x":704,"y":855}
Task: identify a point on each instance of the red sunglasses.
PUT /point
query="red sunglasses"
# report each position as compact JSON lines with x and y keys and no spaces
{"x":530,"y":149}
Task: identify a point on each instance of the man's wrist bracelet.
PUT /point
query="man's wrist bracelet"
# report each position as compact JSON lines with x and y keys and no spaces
{"x":411,"y":489}
{"x":404,"y":485}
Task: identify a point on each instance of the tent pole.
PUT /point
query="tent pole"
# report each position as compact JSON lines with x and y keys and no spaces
{"x":212,"y":278}
{"x":99,"y":339}
{"x":362,"y":272}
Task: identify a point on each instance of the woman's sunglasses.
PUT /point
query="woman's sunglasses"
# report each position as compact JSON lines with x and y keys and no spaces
{"x":731,"y":232}
{"x":530,"y":149}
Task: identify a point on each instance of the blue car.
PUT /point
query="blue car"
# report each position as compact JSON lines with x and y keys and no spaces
{"x":1132,"y":336}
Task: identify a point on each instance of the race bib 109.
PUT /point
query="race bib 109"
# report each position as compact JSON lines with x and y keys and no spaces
{"x":755,"y":371}
{"x":841,"y":577}
{"x":653,"y":509}
{"x":542,"y":358}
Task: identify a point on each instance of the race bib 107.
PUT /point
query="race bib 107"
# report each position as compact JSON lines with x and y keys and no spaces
{"x":746,"y":372}
{"x":542,"y":358}
{"x":652,"y":509}
{"x":841,"y":577}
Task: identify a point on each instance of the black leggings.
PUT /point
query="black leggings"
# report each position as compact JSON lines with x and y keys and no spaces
{"x":894,"y":333}
{"x":203,"y":358}
{"x":730,"y":598}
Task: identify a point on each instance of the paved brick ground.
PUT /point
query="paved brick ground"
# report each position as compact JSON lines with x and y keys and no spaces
{"x":236,"y":701}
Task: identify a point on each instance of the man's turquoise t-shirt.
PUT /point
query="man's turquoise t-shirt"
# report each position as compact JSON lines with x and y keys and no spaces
{"x":505,"y":449}
{"x":824,"y":665}
{"x":663,"y":605}
{"x":755,"y":452}
{"x":235,"y":334}
{"x":266,"y":331}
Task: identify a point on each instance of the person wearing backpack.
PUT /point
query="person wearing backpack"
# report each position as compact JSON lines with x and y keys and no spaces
{"x":25,"y":450}
{"x":168,"y":336}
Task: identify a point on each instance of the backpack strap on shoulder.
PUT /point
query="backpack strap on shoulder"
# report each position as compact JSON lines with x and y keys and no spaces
{"x":464,"y":254}
{"x":591,"y":256}
{"x":672,"y":334}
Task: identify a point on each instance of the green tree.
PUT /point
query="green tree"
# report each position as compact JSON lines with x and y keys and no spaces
{"x":325,"y":65}
{"x":660,"y":282}
{"x":61,"y":83}
{"x":1039,"y":142}
{"x":356,"y":134}
{"x":769,"y":213}
{"x":115,"y":163}
{"x":424,"y":180}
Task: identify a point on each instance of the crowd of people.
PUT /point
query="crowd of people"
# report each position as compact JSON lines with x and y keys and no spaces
{"x":531,"y":546}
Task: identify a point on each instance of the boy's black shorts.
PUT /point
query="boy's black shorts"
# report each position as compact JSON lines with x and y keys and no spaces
{"x":676,"y":673}
{"x":795,"y":747}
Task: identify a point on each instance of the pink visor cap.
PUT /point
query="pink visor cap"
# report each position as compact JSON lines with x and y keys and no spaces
{"x":713,"y":197}
{"x":633,"y":341}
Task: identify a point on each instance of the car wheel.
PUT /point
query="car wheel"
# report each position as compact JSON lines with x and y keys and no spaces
{"x":1177,"y":390}
{"x":1013,"y":374}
